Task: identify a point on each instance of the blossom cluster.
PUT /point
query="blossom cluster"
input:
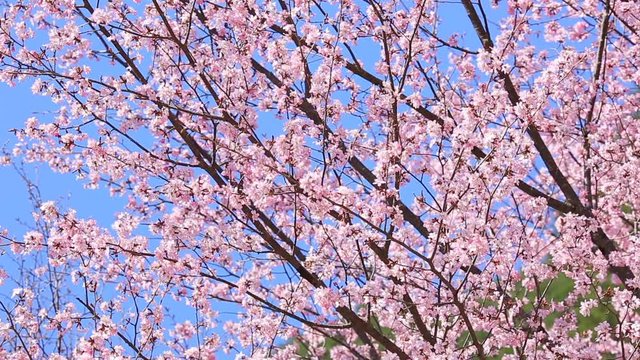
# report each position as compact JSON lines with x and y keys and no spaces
{"x":332,"y":179}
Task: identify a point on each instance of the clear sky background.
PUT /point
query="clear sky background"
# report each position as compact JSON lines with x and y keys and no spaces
{"x":18,"y":103}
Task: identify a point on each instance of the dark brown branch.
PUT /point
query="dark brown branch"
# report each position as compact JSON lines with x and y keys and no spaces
{"x":599,"y":238}
{"x":120,"y":335}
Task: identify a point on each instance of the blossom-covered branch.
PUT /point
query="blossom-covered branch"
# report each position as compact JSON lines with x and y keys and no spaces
{"x":338,"y":179}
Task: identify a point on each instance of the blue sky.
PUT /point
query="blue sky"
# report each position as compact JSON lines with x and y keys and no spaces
{"x":18,"y":104}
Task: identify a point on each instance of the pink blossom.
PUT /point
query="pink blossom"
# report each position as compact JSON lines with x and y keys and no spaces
{"x":328,"y":179}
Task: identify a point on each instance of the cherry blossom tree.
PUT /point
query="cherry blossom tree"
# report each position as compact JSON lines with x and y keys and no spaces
{"x":332,"y":179}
